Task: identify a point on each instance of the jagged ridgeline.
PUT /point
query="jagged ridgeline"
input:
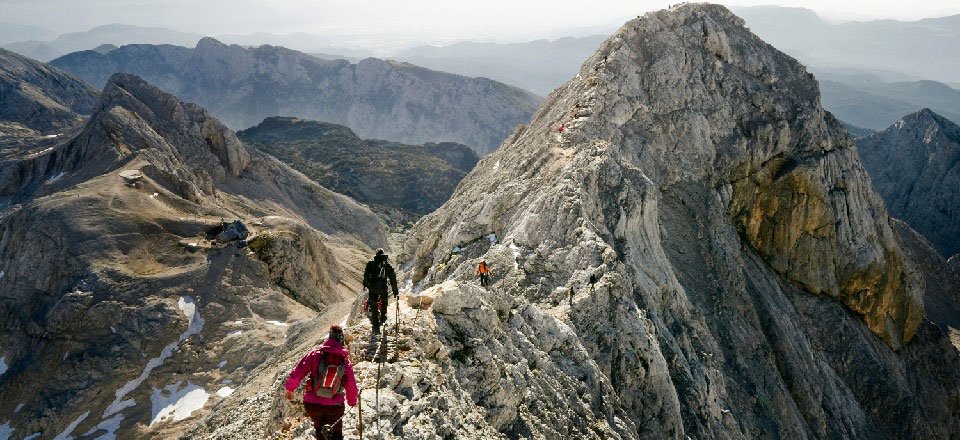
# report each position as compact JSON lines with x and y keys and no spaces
{"x":750,"y":284}
{"x":122,"y":311}
{"x":378,"y":99}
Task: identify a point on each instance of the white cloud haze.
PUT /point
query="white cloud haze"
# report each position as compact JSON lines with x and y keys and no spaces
{"x":503,"y":20}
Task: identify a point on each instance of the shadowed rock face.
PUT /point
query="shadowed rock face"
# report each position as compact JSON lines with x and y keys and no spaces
{"x":39,"y":97}
{"x":112,"y":302}
{"x":750,"y":284}
{"x":379,"y":99}
{"x":399,"y":181}
{"x":915,"y":166}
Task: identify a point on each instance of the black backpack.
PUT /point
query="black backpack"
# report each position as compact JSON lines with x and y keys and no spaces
{"x":378,"y":277}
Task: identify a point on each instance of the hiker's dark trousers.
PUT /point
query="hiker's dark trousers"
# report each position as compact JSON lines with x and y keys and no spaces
{"x":378,"y":316}
{"x":326,"y":415}
{"x":484,"y":279}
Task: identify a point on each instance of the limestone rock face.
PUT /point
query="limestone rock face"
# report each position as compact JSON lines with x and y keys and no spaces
{"x":378,"y":99}
{"x":112,"y":299}
{"x":748,"y":282}
{"x":915,"y":166}
{"x":40,"y":97}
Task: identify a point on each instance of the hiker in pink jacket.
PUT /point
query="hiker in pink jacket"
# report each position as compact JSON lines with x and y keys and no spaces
{"x":325,"y":390}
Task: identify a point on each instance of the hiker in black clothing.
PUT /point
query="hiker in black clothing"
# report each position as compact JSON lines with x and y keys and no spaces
{"x":375,"y":278}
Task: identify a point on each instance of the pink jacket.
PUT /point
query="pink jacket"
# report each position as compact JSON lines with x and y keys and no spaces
{"x":308,"y":365}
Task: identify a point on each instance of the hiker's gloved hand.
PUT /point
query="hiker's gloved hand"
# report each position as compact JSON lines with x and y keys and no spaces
{"x":288,"y":394}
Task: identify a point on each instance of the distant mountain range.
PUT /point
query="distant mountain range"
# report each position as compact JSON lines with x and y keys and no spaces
{"x":116,"y":34}
{"x":538,"y":66}
{"x":402,"y":182}
{"x":925,"y":48}
{"x":378,"y":99}
{"x":876,"y":104}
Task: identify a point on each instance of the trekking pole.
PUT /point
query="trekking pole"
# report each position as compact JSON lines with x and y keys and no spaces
{"x":397,"y":300}
{"x":360,"y":412}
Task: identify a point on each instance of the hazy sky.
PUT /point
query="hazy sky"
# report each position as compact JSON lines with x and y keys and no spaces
{"x":441,"y":19}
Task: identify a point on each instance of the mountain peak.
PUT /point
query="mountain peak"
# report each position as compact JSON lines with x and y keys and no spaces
{"x":210,"y":43}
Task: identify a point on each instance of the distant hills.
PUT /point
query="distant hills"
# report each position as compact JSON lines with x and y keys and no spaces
{"x":116,"y":34}
{"x":876,"y":104}
{"x":538,"y":66}
{"x":376,"y":98}
{"x":925,"y":48}
{"x":402,"y":182}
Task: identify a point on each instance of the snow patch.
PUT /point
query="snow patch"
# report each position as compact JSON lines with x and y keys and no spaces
{"x":19,"y":407}
{"x":57,"y":177}
{"x":496,"y":166}
{"x":492,"y":238}
{"x":278,"y":323}
{"x":6,"y":431}
{"x":224,"y":392}
{"x":226,"y":382}
{"x":234,"y":333}
{"x":154,"y":195}
{"x":222,"y":364}
{"x":3,"y":365}
{"x":65,"y":435}
{"x":175,"y":404}
{"x":2,"y":273}
{"x":189,"y":309}
{"x":111,"y":426}
{"x":50,"y":136}
{"x":33,"y":436}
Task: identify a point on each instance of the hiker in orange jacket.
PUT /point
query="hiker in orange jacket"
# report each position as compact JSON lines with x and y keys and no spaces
{"x":483,"y":271}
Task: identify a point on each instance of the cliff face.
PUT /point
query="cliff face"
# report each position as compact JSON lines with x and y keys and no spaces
{"x":379,"y":99}
{"x":749,"y":281}
{"x":118,"y":317}
{"x":402,"y":182}
{"x":915,"y":166}
{"x":39,"y":97}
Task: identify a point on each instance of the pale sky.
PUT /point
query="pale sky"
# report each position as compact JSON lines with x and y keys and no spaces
{"x":504,"y":20}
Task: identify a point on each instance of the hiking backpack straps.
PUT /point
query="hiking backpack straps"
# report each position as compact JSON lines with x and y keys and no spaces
{"x":328,"y":379}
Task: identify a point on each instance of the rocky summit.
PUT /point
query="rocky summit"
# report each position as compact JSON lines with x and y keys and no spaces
{"x":130,"y":298}
{"x":915,"y":166}
{"x":377,"y":98}
{"x":401,"y":182}
{"x":684,"y":244}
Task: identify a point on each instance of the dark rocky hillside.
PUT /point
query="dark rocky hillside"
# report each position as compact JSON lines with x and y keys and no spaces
{"x":39,"y":97}
{"x":115,"y":308}
{"x":402,"y":182}
{"x":915,"y":166}
{"x":379,"y":99}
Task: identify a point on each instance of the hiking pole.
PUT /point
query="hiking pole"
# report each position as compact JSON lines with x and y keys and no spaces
{"x":360,"y":412}
{"x":396,"y":299}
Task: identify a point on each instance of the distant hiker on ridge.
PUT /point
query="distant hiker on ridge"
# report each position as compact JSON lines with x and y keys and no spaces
{"x":483,"y":271}
{"x":331,"y":379}
{"x":375,"y":278}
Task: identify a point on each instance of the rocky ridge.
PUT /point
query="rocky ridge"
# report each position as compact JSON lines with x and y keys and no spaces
{"x":39,"y":97}
{"x":378,"y":99}
{"x":915,"y":166}
{"x":119,"y":319}
{"x":401,"y":182}
{"x":699,"y":254}
{"x":739,"y":249}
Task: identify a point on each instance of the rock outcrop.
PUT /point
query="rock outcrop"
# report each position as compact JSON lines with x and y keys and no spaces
{"x":119,"y":318}
{"x":379,"y":99}
{"x":39,"y":97}
{"x":402,"y":182}
{"x":915,"y":166}
{"x":748,"y":282}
